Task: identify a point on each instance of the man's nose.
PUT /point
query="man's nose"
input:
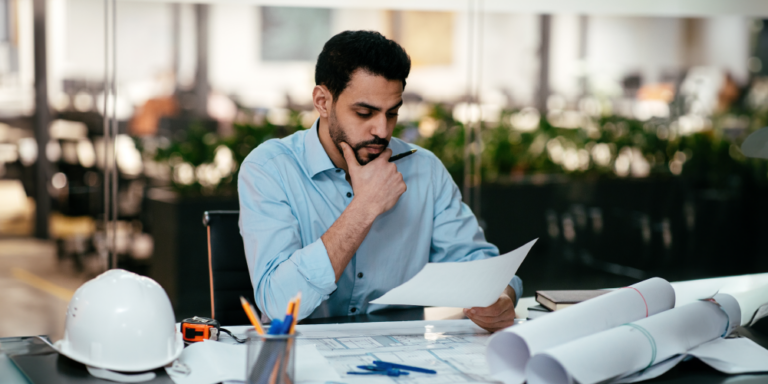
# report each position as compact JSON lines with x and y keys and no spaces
{"x":379,"y":128}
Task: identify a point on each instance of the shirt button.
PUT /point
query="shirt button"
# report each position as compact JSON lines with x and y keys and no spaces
{"x":338,"y":170}
{"x":353,"y":310}
{"x":360,"y":275}
{"x":349,"y":194}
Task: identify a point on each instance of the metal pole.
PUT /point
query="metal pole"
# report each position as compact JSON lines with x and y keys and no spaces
{"x":583,"y":41}
{"x":543,"y":92}
{"x":176,"y":41}
{"x":466,"y":190}
{"x":201,"y":73}
{"x":42,"y":121}
{"x":115,"y":171}
{"x":106,"y":257}
{"x":478,"y":155}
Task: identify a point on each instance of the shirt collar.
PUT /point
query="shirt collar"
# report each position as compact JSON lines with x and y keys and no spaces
{"x":316,"y":158}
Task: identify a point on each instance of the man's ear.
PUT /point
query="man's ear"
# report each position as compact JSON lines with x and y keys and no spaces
{"x":322,"y":99}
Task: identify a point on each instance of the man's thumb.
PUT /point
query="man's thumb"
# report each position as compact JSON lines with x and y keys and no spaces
{"x":349,"y":155}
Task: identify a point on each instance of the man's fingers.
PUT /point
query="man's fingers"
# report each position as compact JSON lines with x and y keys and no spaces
{"x":386,"y":154}
{"x":349,"y":155}
{"x":491,"y":311}
{"x":494,"y":317}
{"x":492,"y":325}
{"x":494,"y":309}
{"x":492,"y":320}
{"x":484,"y":317}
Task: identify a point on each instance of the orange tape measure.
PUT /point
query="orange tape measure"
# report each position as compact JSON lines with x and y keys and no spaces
{"x":199,"y":328}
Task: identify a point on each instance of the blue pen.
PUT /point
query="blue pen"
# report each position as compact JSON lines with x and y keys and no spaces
{"x":286,"y":324}
{"x":371,"y":367}
{"x":276,"y":327}
{"x":389,"y":372}
{"x":385,"y":365}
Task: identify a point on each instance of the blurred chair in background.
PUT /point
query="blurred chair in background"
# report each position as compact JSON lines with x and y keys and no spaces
{"x":227,"y":267}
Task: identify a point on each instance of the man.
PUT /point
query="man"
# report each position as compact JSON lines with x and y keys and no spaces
{"x":324,"y":212}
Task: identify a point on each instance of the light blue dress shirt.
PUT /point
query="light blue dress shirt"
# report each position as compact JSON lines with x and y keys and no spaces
{"x":291,"y":193}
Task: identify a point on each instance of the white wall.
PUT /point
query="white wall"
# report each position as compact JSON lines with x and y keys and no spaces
{"x":509,"y":59}
{"x":564,"y":64}
{"x":143,"y":39}
{"x":725,"y":45}
{"x":235,"y":66}
{"x":646,"y":45}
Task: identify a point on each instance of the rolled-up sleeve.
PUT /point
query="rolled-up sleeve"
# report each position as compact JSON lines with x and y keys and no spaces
{"x":457,"y":236}
{"x":279,"y":264}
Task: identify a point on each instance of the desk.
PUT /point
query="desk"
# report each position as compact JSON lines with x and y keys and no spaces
{"x":685,"y":373}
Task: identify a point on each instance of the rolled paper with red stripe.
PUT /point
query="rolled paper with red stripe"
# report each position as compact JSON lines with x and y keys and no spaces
{"x":633,"y":348}
{"x":641,"y":295}
{"x":509,"y":350}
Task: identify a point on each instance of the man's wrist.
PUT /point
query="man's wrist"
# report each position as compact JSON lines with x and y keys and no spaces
{"x":364,"y":211}
{"x":509,"y":291}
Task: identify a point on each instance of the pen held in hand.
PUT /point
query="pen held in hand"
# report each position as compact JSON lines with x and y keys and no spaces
{"x":401,"y":155}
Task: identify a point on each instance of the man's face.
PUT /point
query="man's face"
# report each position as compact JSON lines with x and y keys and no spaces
{"x":365,"y":114}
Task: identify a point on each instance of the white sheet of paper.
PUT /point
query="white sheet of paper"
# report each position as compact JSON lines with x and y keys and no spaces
{"x":454,"y":348}
{"x":311,"y":366}
{"x":466,"y":284}
{"x":509,"y":350}
{"x":419,"y":327}
{"x":733,"y":356}
{"x":211,"y":362}
{"x":752,"y":297}
{"x":651,"y":372}
{"x":689,"y":291}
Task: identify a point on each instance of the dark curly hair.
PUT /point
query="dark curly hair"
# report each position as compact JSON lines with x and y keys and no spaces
{"x":352,"y":50}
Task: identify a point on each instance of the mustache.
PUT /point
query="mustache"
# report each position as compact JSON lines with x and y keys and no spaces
{"x":375,"y":141}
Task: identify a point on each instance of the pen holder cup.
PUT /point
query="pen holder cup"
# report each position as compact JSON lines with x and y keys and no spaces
{"x":270,"y":358}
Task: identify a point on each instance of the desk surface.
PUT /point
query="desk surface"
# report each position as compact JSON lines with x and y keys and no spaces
{"x":689,"y":372}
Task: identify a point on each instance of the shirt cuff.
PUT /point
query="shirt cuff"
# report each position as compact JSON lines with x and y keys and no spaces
{"x":517,"y":285}
{"x":313,"y":264}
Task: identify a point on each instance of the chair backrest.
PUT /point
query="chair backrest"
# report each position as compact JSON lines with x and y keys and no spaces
{"x":227,"y":267}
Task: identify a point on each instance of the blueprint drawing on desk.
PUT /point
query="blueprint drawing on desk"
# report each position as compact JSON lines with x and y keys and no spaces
{"x":453,"y":348}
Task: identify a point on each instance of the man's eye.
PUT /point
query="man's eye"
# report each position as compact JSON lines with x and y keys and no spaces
{"x":392,"y":114}
{"x":363,"y":114}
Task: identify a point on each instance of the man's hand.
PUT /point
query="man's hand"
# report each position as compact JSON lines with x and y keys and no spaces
{"x":498,"y":315}
{"x":377,"y":185}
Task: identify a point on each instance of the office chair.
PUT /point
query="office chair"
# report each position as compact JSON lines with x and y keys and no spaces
{"x":227,"y":267}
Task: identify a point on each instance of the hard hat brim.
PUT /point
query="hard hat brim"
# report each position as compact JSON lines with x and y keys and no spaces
{"x":126,"y":366}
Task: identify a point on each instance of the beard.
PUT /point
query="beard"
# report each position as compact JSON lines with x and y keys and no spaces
{"x":339,"y":135}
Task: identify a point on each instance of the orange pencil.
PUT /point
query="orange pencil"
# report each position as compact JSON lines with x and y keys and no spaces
{"x":251,"y":315}
{"x":295,"y":313}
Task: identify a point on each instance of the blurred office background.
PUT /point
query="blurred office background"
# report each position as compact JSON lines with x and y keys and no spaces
{"x":610,"y":132}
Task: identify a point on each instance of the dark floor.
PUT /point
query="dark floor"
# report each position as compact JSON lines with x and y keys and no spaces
{"x":35,"y":288}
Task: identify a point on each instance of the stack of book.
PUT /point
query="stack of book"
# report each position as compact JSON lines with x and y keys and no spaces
{"x":550,"y":301}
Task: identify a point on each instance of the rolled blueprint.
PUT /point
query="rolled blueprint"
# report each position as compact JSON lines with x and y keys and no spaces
{"x":636,"y":346}
{"x":752,"y":297}
{"x":509,"y":350}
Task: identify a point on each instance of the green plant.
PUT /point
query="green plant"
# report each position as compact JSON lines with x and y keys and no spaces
{"x":600,"y":147}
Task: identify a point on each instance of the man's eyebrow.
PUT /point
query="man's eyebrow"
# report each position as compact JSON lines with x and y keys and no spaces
{"x":371,"y":107}
{"x":366,"y":105}
{"x":396,"y":105}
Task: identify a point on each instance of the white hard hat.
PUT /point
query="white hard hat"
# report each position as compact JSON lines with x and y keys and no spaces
{"x":123,"y":322}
